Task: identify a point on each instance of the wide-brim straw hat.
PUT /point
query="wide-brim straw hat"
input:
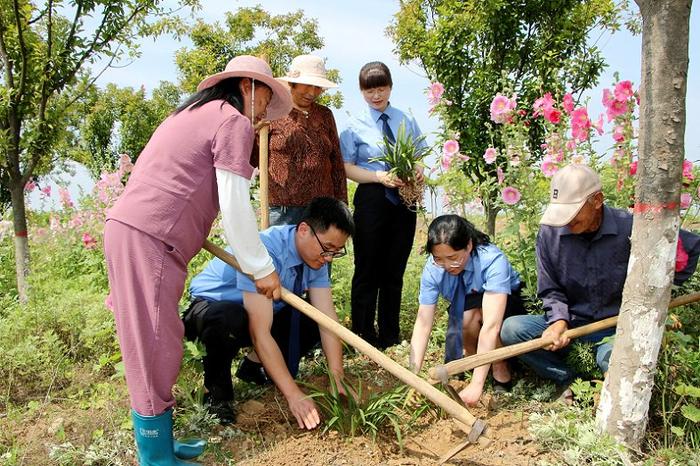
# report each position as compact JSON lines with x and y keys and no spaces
{"x":247,"y":66}
{"x":308,"y":69}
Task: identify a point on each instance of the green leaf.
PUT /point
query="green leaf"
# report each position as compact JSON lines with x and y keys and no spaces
{"x":678,"y":431}
{"x":687,"y":390}
{"x":691,"y":412}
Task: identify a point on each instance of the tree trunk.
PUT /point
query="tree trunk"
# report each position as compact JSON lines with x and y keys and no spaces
{"x":19,"y":217}
{"x":624,"y":402}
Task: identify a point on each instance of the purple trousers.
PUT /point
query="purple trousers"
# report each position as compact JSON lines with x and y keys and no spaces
{"x":146,"y":279}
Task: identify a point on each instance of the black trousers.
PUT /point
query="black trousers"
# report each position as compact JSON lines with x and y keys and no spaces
{"x":382,"y":243}
{"x":222,"y":326}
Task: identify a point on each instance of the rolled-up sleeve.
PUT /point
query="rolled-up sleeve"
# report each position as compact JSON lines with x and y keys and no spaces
{"x":549,"y":290}
{"x":429,"y":286}
{"x":347,"y":146}
{"x":497,"y":274}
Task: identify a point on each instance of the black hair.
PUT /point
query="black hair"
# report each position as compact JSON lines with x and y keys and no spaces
{"x":228,"y":90}
{"x":324,"y":212}
{"x":454,"y":231}
{"x":375,"y":74}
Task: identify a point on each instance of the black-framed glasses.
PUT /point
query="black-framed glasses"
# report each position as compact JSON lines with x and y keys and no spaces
{"x":327,"y":252}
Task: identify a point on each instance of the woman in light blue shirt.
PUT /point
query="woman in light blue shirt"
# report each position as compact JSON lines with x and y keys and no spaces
{"x":384,"y":225}
{"x":482,"y":287}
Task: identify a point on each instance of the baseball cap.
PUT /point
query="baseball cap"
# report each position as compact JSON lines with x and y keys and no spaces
{"x":570,"y":188}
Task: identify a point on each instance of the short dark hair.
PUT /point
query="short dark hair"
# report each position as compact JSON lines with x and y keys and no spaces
{"x":375,"y":74}
{"x":228,"y":90}
{"x":454,"y":231}
{"x":324,"y":212}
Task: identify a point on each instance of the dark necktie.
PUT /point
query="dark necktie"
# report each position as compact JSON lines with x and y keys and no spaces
{"x":453,"y":339}
{"x":392,"y":194}
{"x":294,"y":345}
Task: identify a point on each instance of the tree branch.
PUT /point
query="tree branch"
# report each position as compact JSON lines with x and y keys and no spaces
{"x":23,"y":52}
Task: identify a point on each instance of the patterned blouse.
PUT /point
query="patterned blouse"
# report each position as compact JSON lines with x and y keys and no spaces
{"x":304,"y":159}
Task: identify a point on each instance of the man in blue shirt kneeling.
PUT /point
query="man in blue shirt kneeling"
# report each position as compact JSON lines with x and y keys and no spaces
{"x":228,"y":314}
{"x":583,"y":247}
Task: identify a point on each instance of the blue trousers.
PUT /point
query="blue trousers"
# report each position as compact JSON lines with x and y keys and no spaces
{"x":552,"y":364}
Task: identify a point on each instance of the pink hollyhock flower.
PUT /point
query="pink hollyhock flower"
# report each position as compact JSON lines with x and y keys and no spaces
{"x":580,"y":124}
{"x":510,"y":195}
{"x":463,"y":157}
{"x":490,"y":155}
{"x":608,"y":98}
{"x":686,"y":200}
{"x":623,"y":91}
{"x":616,"y":109}
{"x":500,"y":175}
{"x":64,"y":195}
{"x":688,"y":170}
{"x":552,"y":115}
{"x":88,"y":241}
{"x":515,"y":161}
{"x":75,"y":222}
{"x":30,"y":185}
{"x":435,"y":92}
{"x":549,"y":168}
{"x":633,"y":170}
{"x":46,"y":191}
{"x":39,"y":232}
{"x":568,"y":103}
{"x":450,"y":147}
{"x":501,"y":107}
{"x":446,"y":161}
{"x":618,"y":134}
{"x":571,"y":144}
{"x":598,"y":125}
{"x":543,"y":104}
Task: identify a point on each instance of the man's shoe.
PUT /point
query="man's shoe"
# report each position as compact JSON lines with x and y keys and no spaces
{"x":222,"y":409}
{"x":252,"y":372}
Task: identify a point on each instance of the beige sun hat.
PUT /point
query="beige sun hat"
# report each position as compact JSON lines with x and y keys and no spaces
{"x":308,"y":69}
{"x":571,"y":187}
{"x":248,"y":66}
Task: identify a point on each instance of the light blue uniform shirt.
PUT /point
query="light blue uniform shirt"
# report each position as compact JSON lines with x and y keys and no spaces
{"x":494,"y":273}
{"x":221,"y":282}
{"x":363,"y":138}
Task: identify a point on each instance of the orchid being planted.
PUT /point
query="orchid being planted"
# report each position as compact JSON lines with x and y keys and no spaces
{"x":403,"y":158}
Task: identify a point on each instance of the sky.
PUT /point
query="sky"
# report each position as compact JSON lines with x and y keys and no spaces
{"x":354,"y":33}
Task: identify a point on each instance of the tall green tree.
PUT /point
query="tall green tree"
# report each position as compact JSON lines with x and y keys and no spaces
{"x":118,"y":121}
{"x":251,"y":31}
{"x":46,"y":50}
{"x":623,"y":410}
{"x":477,"y":48}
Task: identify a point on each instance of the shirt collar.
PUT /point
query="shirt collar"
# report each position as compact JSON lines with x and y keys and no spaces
{"x":375,"y":114}
{"x":293,"y":256}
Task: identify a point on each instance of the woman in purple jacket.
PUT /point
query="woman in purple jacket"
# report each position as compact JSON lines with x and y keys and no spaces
{"x":197,"y":161}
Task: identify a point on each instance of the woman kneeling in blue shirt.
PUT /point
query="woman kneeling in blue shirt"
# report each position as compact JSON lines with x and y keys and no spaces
{"x":483,"y":289}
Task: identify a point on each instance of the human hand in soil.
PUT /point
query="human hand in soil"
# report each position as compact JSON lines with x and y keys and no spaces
{"x":388,"y":179}
{"x":556,"y":333}
{"x":304,"y":410}
{"x":269,"y":286}
{"x":471,"y":394}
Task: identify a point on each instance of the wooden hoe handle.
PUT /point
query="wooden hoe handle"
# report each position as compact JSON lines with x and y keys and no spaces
{"x":474,"y":361}
{"x":409,"y":378}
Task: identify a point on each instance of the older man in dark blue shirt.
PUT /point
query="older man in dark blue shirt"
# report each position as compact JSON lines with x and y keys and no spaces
{"x":582,"y":251}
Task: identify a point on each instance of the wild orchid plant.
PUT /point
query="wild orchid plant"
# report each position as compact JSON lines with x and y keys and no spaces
{"x":403,"y":157}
